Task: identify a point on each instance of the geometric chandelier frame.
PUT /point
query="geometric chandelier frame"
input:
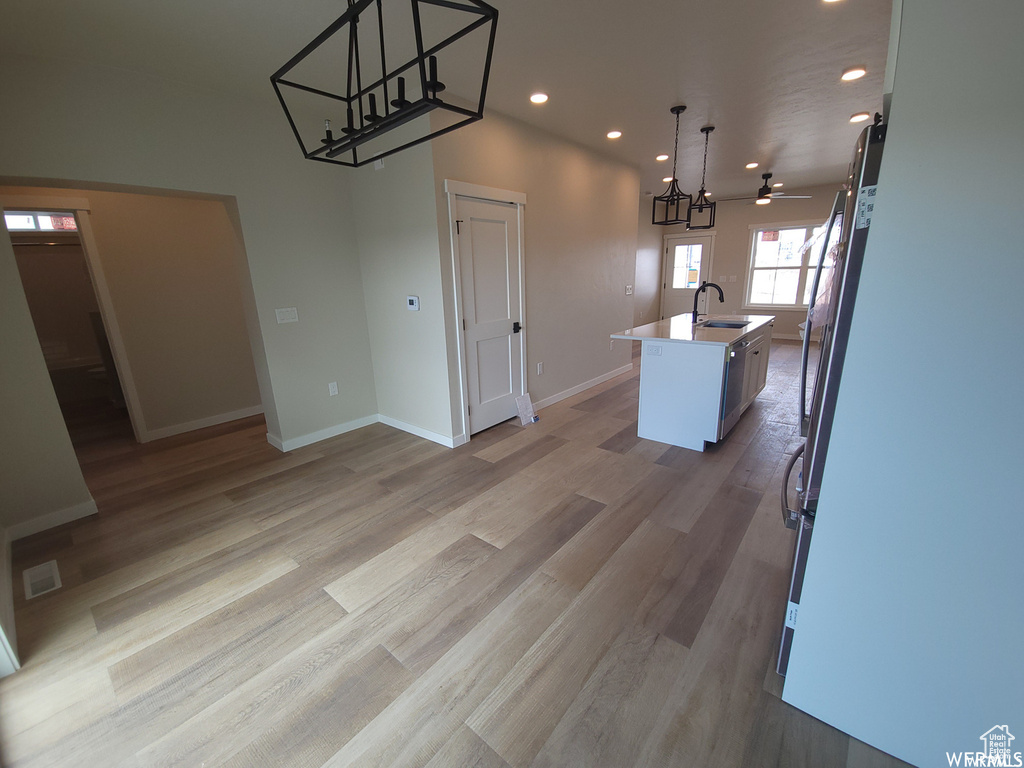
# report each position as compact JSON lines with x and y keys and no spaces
{"x":343,"y":75}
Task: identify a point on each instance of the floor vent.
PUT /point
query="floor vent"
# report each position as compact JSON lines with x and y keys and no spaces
{"x":41,"y":579}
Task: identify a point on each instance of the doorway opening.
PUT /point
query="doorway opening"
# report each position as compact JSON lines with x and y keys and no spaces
{"x":65,"y":311}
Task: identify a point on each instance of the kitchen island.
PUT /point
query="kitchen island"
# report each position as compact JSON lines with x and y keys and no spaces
{"x":696,"y":379}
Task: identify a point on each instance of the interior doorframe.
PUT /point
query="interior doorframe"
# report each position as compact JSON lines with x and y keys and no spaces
{"x":80,"y":207}
{"x":665,"y":260}
{"x":454,"y":189}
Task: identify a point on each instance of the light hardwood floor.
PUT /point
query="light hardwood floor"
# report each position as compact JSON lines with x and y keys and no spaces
{"x":564,"y":594}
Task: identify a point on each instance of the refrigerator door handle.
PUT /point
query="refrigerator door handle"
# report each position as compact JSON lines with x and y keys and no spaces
{"x":790,"y":516}
{"x":805,"y":353}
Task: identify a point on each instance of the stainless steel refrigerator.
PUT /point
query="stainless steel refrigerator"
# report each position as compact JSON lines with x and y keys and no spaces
{"x":829,"y":311}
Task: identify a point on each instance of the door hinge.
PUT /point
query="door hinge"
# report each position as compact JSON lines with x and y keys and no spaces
{"x":463,"y":323}
{"x":458,"y":227}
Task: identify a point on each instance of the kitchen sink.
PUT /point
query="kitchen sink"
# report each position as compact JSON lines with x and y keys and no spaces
{"x":724,"y":324}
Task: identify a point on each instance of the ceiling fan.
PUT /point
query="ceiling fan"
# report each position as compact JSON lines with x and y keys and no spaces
{"x":766,"y":194}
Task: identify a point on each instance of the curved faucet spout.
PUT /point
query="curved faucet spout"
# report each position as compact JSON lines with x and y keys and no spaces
{"x":703,"y":287}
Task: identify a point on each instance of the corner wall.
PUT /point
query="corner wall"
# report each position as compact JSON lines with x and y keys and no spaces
{"x":396,"y":229}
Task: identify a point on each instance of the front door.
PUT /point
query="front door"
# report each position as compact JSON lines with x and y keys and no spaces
{"x":687,"y":264}
{"x":490,"y":265}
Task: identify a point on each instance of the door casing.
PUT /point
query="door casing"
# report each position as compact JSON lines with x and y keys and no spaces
{"x":455,"y":189}
{"x":669,"y":241}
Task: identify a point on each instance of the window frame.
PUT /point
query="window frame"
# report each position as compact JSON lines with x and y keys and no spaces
{"x":805,"y":268}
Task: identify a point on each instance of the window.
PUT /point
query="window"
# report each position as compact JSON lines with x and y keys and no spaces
{"x":686,"y":266}
{"x":30,"y":221}
{"x":782,"y":263}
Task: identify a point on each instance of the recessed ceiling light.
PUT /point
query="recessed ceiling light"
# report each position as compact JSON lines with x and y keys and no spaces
{"x":777,"y":184}
{"x":860,"y":117}
{"x":751,"y":165}
{"x":661,"y":158}
{"x":854,"y":73}
{"x":614,"y":134}
{"x":667,"y":179}
{"x":763,"y":201}
{"x":539,"y":98}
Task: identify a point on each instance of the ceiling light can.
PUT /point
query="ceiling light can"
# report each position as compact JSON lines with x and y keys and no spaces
{"x":854,"y":73}
{"x":539,"y":98}
{"x":751,"y":166}
{"x":860,"y":117}
{"x":614,"y":134}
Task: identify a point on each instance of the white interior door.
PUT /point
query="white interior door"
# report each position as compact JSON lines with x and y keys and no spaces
{"x":490,"y":266}
{"x":687,"y":264}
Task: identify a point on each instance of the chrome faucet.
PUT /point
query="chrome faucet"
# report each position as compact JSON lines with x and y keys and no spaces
{"x":703,"y":287}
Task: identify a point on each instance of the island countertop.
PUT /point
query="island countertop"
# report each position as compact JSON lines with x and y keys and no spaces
{"x":682,"y":328}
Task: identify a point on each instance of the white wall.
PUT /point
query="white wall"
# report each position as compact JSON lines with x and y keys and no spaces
{"x":102,"y":125}
{"x":580,"y":243}
{"x":396,"y":225}
{"x":911,"y":621}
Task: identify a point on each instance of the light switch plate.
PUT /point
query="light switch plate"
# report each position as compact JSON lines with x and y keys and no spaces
{"x":412,"y":303}
{"x":287,"y":315}
{"x":332,"y":388}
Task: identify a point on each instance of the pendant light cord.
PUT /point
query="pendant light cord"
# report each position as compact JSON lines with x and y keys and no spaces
{"x":704,"y":173}
{"x":675,"y":152}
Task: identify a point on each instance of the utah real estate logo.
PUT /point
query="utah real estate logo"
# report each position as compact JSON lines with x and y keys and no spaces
{"x":997,"y":751}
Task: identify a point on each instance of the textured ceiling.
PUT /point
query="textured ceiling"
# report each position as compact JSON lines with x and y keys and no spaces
{"x":764,"y":72}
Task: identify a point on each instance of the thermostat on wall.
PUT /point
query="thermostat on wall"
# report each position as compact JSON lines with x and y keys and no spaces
{"x":412,"y":303}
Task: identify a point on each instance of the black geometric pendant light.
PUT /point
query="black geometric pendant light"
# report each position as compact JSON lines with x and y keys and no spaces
{"x":673,"y":207}
{"x":376,"y":72}
{"x":702,"y":210}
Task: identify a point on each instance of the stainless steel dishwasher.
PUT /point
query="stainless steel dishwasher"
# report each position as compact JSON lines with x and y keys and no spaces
{"x":732,"y":397}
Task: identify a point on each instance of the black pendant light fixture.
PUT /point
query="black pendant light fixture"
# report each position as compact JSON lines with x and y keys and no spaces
{"x":702,"y":210}
{"x":373,"y":83}
{"x":673,"y":207}
{"x":764,"y":194}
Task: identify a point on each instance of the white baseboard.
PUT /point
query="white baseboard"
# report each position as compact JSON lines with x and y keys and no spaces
{"x":51,"y":520}
{"x":581,"y":387}
{"x":412,"y":429}
{"x":787,"y":336}
{"x":189,"y":426}
{"x":321,"y":434}
{"x":348,"y":426}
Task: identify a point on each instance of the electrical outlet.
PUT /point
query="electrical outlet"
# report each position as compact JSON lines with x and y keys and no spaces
{"x":629,"y":290}
{"x":732,"y":278}
{"x":654,"y":350}
{"x":332,"y":388}
{"x":540,"y":368}
{"x":641,"y":314}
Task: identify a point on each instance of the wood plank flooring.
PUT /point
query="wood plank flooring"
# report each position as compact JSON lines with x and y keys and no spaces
{"x":565,"y":594}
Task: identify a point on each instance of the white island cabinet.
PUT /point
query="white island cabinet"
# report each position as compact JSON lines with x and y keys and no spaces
{"x":696,"y":379}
